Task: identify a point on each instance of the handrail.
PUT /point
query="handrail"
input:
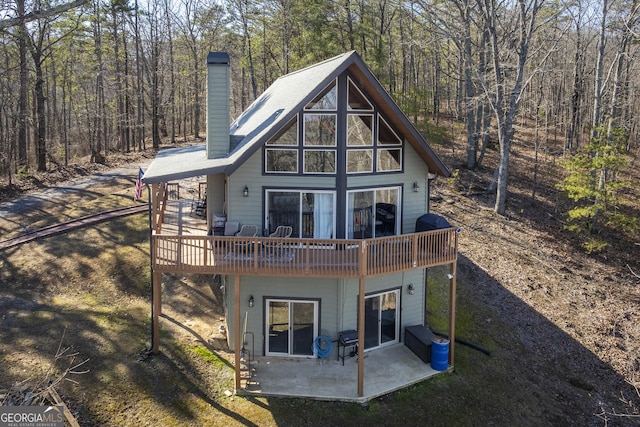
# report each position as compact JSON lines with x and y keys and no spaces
{"x":304,"y":257}
{"x":161,"y":205}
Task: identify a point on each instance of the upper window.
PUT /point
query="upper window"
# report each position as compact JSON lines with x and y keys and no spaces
{"x":309,"y":143}
{"x":320,"y":161}
{"x":281,"y":160}
{"x":320,"y":129}
{"x":285,"y":159}
{"x":356,"y":100}
{"x":386,"y":135}
{"x":326,"y":100}
{"x":360,"y":161}
{"x":359,"y":129}
{"x":389,"y":159}
{"x":288,"y":135}
{"x":389,"y":148}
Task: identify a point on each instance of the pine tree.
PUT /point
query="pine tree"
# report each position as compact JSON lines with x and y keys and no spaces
{"x":598,"y":201}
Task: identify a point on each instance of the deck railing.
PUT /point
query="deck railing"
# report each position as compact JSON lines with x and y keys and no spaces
{"x":303,"y":257}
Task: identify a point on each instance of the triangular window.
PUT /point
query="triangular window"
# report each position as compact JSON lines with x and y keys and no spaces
{"x":356,"y":99}
{"x":288,"y":135}
{"x":326,"y":100}
{"x":386,"y":135}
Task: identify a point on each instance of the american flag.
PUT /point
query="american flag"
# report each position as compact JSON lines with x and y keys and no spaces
{"x":139,"y":185}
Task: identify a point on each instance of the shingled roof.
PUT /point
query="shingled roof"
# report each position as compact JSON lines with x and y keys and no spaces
{"x":274,"y":109}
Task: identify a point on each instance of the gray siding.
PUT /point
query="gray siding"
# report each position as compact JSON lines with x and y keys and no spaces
{"x":412,"y":306}
{"x":413,"y":204}
{"x":250,"y":210}
{"x":217,"y":111}
{"x":215,"y":196}
{"x":326,"y":290}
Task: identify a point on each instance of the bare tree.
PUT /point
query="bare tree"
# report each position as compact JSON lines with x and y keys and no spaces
{"x":510,"y":53}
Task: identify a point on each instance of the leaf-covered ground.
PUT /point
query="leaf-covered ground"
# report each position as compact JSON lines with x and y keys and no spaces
{"x":562,"y":327}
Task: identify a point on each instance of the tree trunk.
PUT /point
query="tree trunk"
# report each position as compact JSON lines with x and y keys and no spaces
{"x":469,"y":96}
{"x":100,"y":123}
{"x":172,"y":75}
{"x":140,"y":129}
{"x":597,"y":98}
{"x":24,"y":88}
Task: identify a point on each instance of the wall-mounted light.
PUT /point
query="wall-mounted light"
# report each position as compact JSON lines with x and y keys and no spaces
{"x":245,"y":192}
{"x":251,"y":301}
{"x":416,"y":187}
{"x":449,"y":276}
{"x":410,"y":289}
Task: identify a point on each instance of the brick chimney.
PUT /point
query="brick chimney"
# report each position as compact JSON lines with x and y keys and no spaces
{"x":217,"y":104}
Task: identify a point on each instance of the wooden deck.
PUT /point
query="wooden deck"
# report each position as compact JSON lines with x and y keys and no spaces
{"x":183,"y":246}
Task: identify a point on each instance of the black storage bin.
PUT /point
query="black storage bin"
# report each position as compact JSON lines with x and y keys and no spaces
{"x":418,"y":339}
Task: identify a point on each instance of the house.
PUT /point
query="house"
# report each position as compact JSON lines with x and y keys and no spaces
{"x":327,"y":152}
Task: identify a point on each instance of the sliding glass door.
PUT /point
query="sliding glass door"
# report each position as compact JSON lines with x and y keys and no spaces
{"x":311,"y":214}
{"x":373,"y":213}
{"x":291,"y":327}
{"x":381,"y":321}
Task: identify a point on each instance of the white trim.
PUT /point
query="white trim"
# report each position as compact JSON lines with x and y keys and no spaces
{"x":380,"y":320}
{"x":300,"y":192}
{"x":290,"y":335}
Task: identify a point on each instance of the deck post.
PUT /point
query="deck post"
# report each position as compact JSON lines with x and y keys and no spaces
{"x":452,"y":311}
{"x":361,"y":292}
{"x":236,"y":329}
{"x":156,"y":310}
{"x":154,"y":206}
{"x":361,"y":337}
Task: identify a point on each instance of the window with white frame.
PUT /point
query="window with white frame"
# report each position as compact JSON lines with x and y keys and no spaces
{"x":373,"y":212}
{"x":310,"y":213}
{"x":281,"y":153}
{"x":309,"y":143}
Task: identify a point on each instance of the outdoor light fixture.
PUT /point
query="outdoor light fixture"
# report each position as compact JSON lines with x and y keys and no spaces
{"x":245,"y":192}
{"x":449,"y":276}
{"x":250,"y":300}
{"x":416,"y":187}
{"x":410,"y":289}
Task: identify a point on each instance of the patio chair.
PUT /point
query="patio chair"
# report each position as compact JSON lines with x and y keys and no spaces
{"x":247,"y":230}
{"x":281,"y":232}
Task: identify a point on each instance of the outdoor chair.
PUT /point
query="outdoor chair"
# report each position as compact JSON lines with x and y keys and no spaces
{"x":281,"y":232}
{"x":247,"y":230}
{"x":231,"y":228}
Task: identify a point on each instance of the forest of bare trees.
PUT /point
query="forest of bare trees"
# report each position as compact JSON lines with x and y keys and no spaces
{"x":90,"y":77}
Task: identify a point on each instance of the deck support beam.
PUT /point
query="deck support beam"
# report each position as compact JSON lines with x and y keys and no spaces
{"x":452,"y":311}
{"x":362,"y":267}
{"x":156,"y":310}
{"x":236,"y":329}
{"x":361,"y":336}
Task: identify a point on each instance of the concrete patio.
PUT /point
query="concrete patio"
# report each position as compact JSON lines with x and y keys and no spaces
{"x":385,"y":370}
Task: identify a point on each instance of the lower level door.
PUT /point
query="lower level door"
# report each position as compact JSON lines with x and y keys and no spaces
{"x":291,"y":327}
{"x":381,"y":322}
